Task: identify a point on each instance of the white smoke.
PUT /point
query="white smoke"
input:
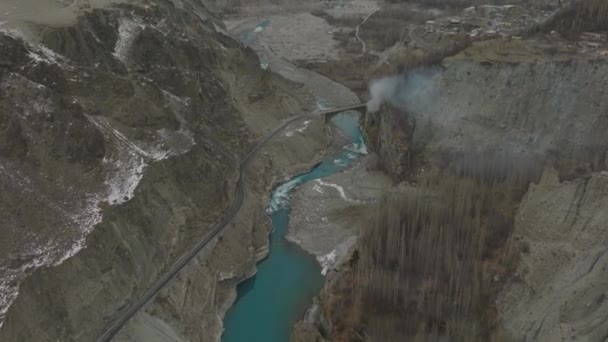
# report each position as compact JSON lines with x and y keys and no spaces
{"x":382,"y":91}
{"x":415,"y":91}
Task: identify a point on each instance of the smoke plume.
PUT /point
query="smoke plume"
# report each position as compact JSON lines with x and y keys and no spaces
{"x":416,"y":91}
{"x":382,"y":91}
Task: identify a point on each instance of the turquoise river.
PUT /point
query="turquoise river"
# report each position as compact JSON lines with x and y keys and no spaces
{"x":269,"y":303}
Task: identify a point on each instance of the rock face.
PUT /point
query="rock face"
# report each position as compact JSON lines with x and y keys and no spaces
{"x":540,"y":105}
{"x":120,"y":139}
{"x":559,"y":290}
{"x":516,"y":101}
{"x":389,"y":132}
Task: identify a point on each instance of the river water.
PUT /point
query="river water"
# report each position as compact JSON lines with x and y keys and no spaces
{"x":269,"y":303}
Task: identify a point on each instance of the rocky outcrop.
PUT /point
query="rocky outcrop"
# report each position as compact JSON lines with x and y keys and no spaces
{"x":123,"y":137}
{"x":389,"y":132}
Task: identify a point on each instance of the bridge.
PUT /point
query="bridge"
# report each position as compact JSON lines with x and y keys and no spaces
{"x":330,"y":113}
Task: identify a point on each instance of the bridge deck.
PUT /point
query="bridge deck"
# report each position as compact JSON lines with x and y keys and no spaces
{"x":357,"y":106}
{"x":330,"y":113}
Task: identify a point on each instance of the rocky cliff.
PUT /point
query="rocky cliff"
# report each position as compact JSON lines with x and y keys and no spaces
{"x":505,"y":95}
{"x":497,"y":103}
{"x":121,"y":136}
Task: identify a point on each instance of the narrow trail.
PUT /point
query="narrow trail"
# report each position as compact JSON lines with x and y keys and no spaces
{"x":357,"y":29}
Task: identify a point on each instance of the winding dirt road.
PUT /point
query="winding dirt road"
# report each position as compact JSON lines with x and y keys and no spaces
{"x":358,"y":28}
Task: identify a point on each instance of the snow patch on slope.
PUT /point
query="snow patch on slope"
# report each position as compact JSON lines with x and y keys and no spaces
{"x":38,"y":53}
{"x":42,"y":54}
{"x":127,"y":174}
{"x":126,"y":167}
{"x":337,"y":187}
{"x":78,"y":218}
{"x":128,"y":30}
{"x":327,"y":261}
{"x":301,"y":129}
{"x":318,"y":189}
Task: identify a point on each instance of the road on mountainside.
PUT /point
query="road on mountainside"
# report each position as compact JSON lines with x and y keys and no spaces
{"x":114,"y":327}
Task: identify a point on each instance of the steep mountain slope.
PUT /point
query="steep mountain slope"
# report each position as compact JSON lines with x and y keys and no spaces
{"x":121,"y":136}
{"x":559,"y":288}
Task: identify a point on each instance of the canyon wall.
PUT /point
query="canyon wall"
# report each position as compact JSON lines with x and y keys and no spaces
{"x":497,"y":112}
